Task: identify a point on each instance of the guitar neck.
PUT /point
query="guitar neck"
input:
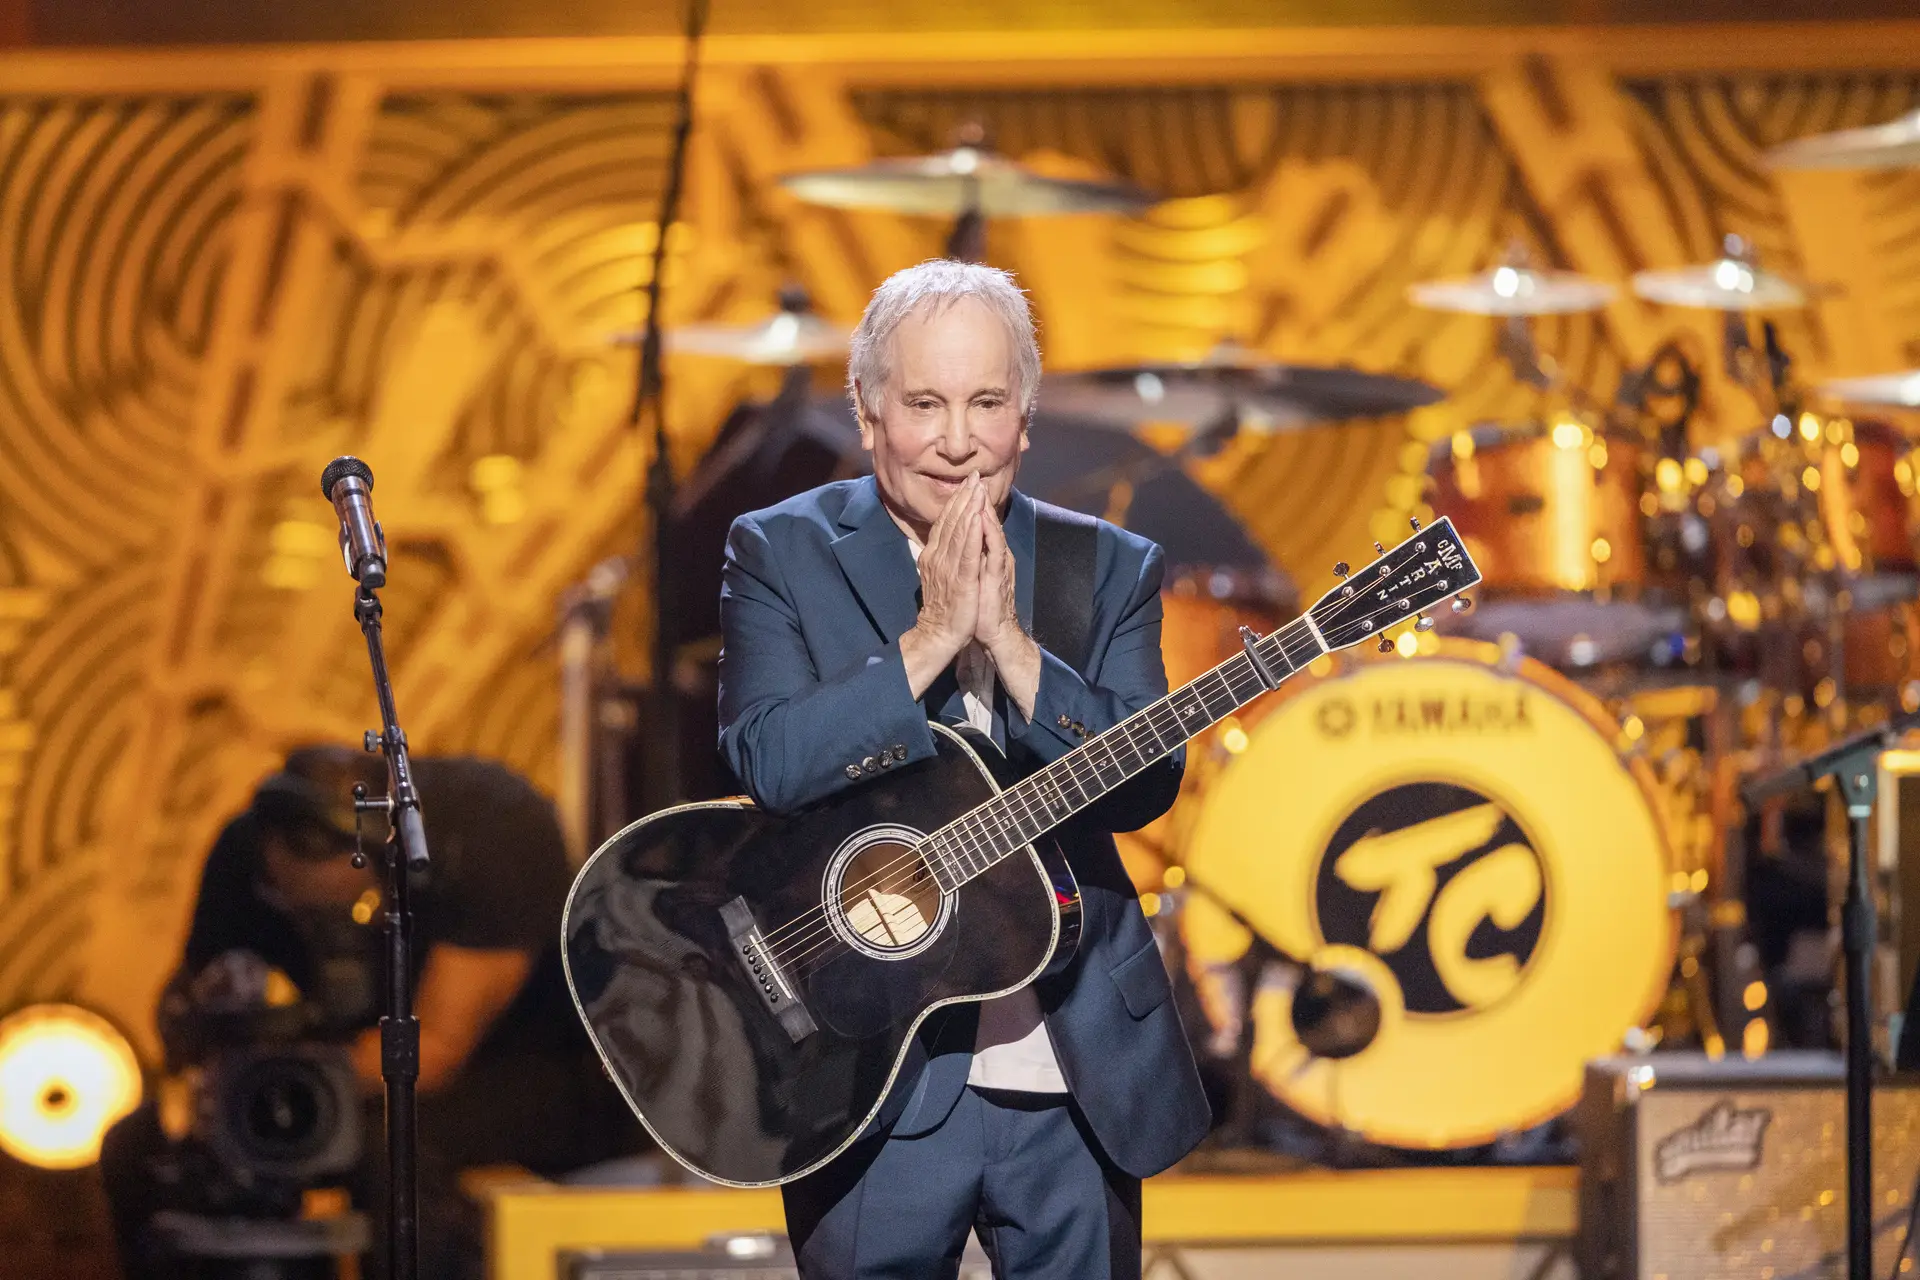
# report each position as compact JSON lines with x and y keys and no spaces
{"x":1013,"y":819}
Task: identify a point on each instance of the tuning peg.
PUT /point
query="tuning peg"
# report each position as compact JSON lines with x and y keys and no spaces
{"x":1340,"y":569}
{"x":1462,"y":603}
{"x":1386,"y":645}
{"x":1378,"y":549}
{"x":1423,"y":623}
{"x":1415,"y":522}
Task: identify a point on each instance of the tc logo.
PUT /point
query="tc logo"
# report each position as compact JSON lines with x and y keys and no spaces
{"x":1442,"y":884}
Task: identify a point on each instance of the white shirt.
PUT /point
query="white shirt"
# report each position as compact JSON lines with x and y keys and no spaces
{"x":1011,"y":1050}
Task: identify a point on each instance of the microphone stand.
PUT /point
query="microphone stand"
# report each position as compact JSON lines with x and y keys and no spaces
{"x":406,"y":851}
{"x":1854,"y":766}
{"x":661,"y":737}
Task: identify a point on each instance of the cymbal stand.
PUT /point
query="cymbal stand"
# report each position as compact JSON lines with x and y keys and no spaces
{"x":967,"y":242}
{"x":662,"y":732}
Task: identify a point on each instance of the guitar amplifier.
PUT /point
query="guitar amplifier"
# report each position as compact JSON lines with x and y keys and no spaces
{"x":1699,"y":1170}
{"x":742,"y":1257}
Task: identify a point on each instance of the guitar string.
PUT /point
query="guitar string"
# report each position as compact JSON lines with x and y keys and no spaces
{"x":875,"y":877}
{"x":996,"y":828}
{"x":788,"y":951}
{"x":1004,"y":828}
{"x":916,"y":861}
{"x":798,"y":951}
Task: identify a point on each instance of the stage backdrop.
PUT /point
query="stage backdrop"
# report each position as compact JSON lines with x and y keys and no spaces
{"x":223,"y":268}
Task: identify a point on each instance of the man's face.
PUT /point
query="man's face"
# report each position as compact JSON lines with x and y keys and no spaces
{"x":308,"y":882}
{"x":951,"y":410}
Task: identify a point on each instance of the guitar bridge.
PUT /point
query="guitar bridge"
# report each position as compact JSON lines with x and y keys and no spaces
{"x":756,"y":960}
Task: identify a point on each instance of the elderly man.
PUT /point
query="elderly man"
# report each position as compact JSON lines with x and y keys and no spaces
{"x":855,"y":613}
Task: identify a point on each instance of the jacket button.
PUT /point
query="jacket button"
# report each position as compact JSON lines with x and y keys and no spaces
{"x":869,"y":764}
{"x":853,"y":771}
{"x":899,"y":751}
{"x":1064,"y":722}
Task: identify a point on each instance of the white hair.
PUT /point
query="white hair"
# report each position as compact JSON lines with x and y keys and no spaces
{"x":939,"y":283}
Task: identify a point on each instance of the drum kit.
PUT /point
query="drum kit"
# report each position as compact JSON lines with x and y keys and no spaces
{"x":1526,"y":842}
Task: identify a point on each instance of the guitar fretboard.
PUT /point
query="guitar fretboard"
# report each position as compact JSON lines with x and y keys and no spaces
{"x":1021,"y":814}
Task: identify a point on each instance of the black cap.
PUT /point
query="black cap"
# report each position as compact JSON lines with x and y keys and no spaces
{"x":310,"y":801}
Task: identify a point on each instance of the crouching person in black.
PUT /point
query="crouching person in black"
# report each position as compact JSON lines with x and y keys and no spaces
{"x":270,"y":1024}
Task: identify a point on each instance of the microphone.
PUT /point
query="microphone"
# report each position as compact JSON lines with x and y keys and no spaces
{"x":348,"y":484}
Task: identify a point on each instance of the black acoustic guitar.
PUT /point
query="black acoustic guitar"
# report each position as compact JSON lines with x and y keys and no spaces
{"x":753,"y":982}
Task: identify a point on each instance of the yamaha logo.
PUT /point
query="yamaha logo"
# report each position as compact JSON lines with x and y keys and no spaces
{"x":1336,"y":717}
{"x":1724,"y":1140}
{"x":1435,"y":711}
{"x":1442,"y":884}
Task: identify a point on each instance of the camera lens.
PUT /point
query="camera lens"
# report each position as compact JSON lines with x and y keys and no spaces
{"x":284,"y":1109}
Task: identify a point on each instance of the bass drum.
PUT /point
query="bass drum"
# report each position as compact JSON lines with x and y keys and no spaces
{"x":1467,"y":838}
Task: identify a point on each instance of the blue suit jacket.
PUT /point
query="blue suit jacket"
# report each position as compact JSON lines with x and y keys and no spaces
{"x":815,"y":595}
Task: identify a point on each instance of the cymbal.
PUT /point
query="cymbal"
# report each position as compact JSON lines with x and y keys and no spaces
{"x":1881,"y":391}
{"x":1893,"y":145}
{"x":1264,"y":396}
{"x":783,"y":338}
{"x":960,"y":181}
{"x":1514,"y":291}
{"x":1728,"y":284}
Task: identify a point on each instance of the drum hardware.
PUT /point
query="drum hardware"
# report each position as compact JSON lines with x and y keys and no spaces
{"x":613,"y":733}
{"x":1663,"y":395}
{"x":1733,"y":282}
{"x":793,"y":335}
{"x":1881,"y":391}
{"x":1118,"y":479}
{"x":1601,"y":551}
{"x":969,"y":183}
{"x":1817,"y":541}
{"x":1514,"y":290}
{"x":1233,"y":389}
{"x":1893,"y":145}
{"x":1334,"y":1013}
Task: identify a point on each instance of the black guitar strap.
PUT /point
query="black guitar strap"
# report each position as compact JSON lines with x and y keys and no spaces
{"x":1065,"y":544}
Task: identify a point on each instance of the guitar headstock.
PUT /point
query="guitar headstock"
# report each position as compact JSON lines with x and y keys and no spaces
{"x":1429,"y":567}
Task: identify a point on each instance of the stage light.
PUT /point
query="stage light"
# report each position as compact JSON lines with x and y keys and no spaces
{"x":65,"y":1076}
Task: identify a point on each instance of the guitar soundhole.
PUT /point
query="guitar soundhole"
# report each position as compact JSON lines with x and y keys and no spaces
{"x":889,"y":896}
{"x":889,"y":903}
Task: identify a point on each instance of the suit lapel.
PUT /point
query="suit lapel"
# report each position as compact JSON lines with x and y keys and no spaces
{"x":1020,"y":524}
{"x":873,"y":555}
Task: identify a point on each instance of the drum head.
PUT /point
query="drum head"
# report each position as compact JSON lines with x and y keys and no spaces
{"x":1471,"y":843}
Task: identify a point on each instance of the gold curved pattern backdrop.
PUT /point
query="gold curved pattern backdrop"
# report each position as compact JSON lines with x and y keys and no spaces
{"x":223,"y":268}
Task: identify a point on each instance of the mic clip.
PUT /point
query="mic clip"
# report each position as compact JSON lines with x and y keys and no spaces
{"x":346,"y":548}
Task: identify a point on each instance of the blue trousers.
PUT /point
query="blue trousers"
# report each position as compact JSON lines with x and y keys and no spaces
{"x":1023,"y":1170}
